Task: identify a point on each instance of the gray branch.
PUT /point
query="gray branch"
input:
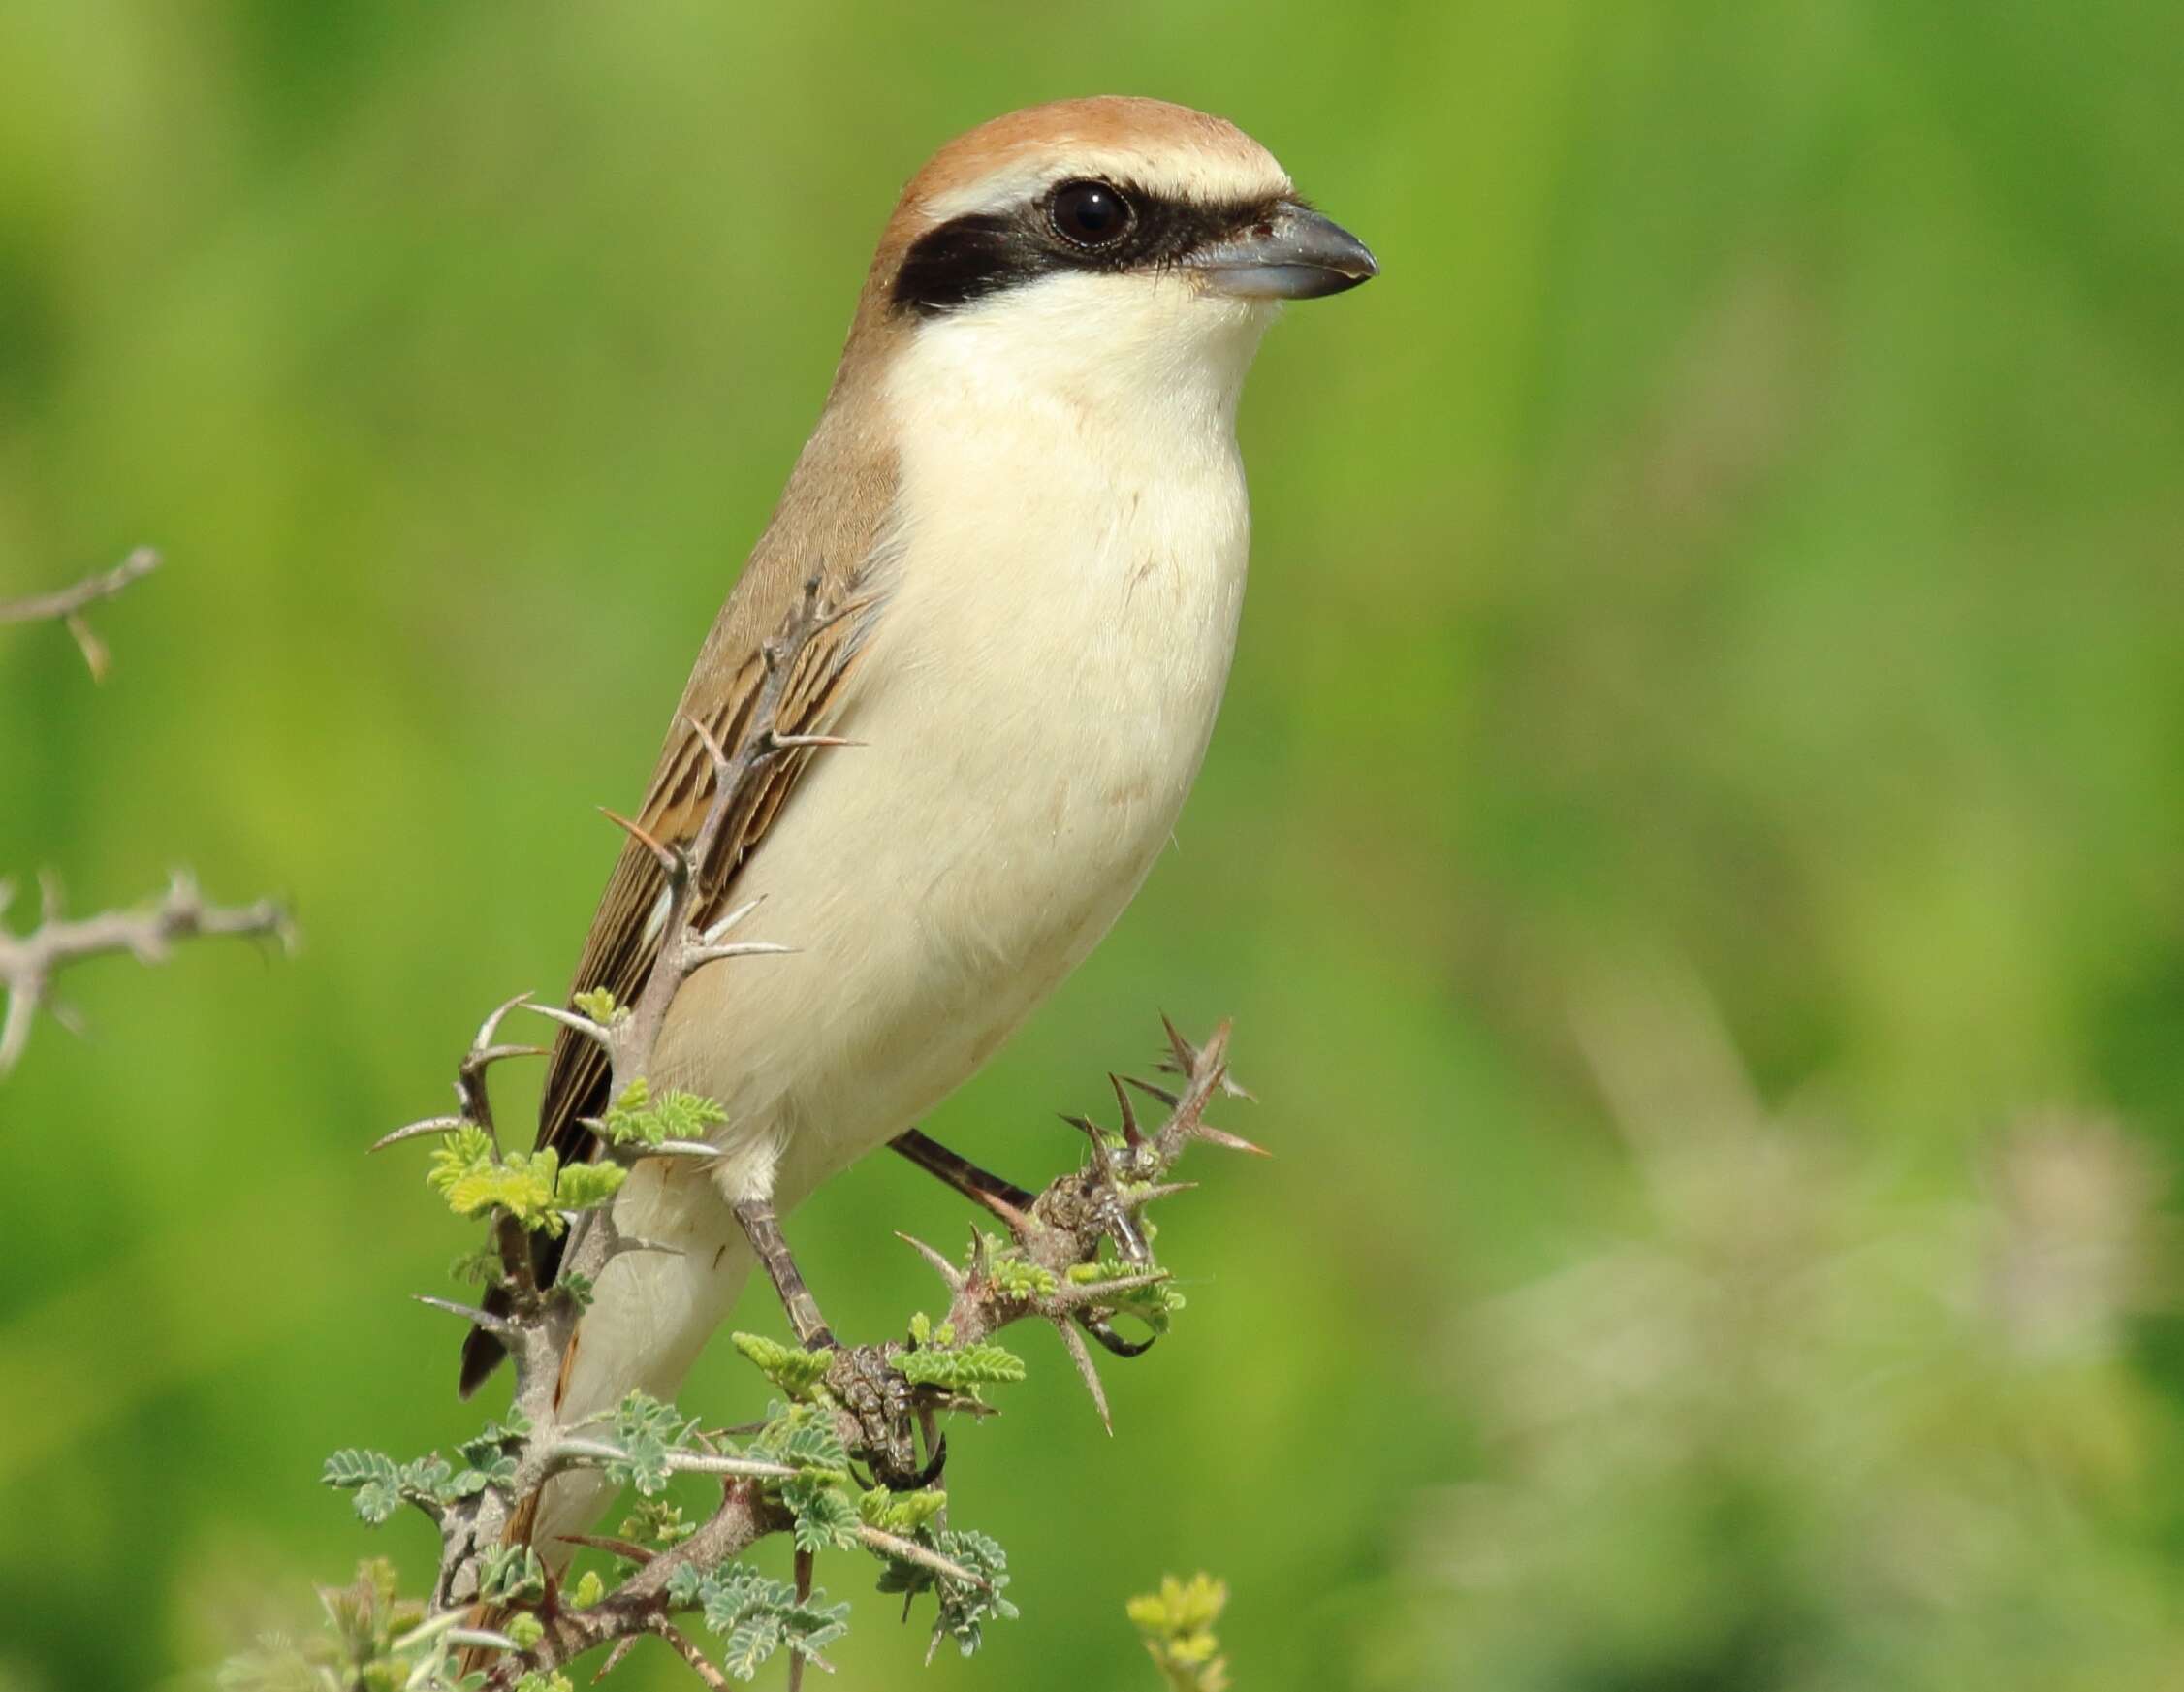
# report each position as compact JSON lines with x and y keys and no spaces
{"x":29,"y":962}
{"x":67,"y":605}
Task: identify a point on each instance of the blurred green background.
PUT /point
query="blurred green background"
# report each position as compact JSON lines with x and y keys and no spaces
{"x":1692,"y":848}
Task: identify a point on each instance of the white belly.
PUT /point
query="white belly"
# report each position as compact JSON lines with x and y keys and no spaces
{"x":1034,"y":714}
{"x":1037,"y":692}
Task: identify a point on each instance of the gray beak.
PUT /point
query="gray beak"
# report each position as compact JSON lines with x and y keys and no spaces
{"x":1294,"y":254}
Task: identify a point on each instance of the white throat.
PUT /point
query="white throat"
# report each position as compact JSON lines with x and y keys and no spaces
{"x":1150,"y":363}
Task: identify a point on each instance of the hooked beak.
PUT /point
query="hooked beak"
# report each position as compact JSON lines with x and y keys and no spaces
{"x":1292,"y":254}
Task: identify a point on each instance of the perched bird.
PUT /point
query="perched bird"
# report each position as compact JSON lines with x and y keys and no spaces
{"x":1026,"y":479}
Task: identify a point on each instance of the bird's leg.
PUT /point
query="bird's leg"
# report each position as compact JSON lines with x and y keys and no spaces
{"x":863,"y":1379}
{"x":1012,"y":1204}
{"x":1004,"y":1199}
{"x":762,"y":1228}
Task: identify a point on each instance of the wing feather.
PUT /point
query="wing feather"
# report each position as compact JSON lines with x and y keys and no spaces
{"x":624,"y":942}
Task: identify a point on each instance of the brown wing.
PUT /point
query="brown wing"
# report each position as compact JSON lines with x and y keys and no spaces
{"x":623,"y":942}
{"x":624,"y":939}
{"x":832,"y":517}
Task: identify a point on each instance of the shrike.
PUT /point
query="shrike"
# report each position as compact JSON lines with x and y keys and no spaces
{"x":1026,"y":475}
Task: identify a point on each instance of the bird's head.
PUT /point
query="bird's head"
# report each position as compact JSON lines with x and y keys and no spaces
{"x":1107,"y":240}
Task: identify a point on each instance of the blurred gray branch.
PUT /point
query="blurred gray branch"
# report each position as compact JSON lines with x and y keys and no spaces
{"x":67,"y":605}
{"x":29,"y":962}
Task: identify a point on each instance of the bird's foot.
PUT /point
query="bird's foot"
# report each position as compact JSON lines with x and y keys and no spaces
{"x":863,"y":1380}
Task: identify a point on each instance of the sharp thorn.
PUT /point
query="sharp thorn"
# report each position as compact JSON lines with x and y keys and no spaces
{"x":482,"y":1636}
{"x":502,"y":1053}
{"x":1131,"y":1133}
{"x":1089,"y":1294}
{"x":1080,"y":1355}
{"x":1235,"y":1143}
{"x":778,"y":739}
{"x":947,"y":1271}
{"x":484,"y":1319}
{"x":570,"y":1019}
{"x":909,"y":1551}
{"x":712,"y":935}
{"x":1185,"y":1054}
{"x":700,"y":955}
{"x":431,"y":1125}
{"x":711,"y":742}
{"x":679,"y":1148}
{"x":1089,"y":1128}
{"x":1152,"y":1091}
{"x":599,"y":1542}
{"x":623,"y":1647}
{"x":638,"y":833}
{"x":492,"y":1025}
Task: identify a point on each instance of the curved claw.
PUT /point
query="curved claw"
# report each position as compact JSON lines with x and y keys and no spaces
{"x":1100,"y":1330}
{"x":895,"y":1480}
{"x":933,"y":1466}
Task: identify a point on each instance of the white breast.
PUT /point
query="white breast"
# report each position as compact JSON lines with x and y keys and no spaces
{"x":1037,"y":694}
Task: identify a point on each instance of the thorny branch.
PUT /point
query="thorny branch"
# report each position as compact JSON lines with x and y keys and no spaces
{"x":29,"y":962}
{"x":67,"y":605}
{"x":1076,"y":1256}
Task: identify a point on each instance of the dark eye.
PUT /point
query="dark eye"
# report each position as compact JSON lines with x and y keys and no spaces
{"x":1090,"y":213}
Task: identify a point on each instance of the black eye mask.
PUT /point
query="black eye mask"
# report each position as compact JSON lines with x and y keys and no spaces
{"x":1081,"y":225}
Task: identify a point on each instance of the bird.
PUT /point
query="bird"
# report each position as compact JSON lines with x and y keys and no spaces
{"x":1025,"y":485}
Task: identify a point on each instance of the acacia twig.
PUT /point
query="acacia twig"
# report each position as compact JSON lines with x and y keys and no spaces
{"x":67,"y":605}
{"x":29,"y":962}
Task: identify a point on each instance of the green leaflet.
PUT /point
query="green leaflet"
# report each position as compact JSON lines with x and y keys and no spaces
{"x":965,"y":1607}
{"x":583,"y":1185}
{"x":755,"y":1616}
{"x":904,"y":1514}
{"x":825,"y":1521}
{"x":967,"y":1367}
{"x":793,"y":1369}
{"x":1178,"y":1624}
{"x":647,"y":1430}
{"x":635,"y":1118}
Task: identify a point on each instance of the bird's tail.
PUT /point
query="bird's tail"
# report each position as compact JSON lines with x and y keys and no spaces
{"x":649,"y":1316}
{"x":652,"y":1311}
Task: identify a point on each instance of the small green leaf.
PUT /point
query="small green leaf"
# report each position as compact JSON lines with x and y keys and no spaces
{"x":372,"y":1476}
{"x":791,"y":1368}
{"x":647,"y":1430}
{"x":904,"y":1513}
{"x":636,"y":1118}
{"x":510,"y":1572}
{"x":970,"y":1366}
{"x":598,"y":1004}
{"x":583,"y":1185}
{"x":1178,"y":1624}
{"x":657,"y":1522}
{"x":825,"y":1521}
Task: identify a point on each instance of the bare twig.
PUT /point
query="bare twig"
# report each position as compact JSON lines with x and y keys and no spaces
{"x":30,"y":962}
{"x":67,"y":605}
